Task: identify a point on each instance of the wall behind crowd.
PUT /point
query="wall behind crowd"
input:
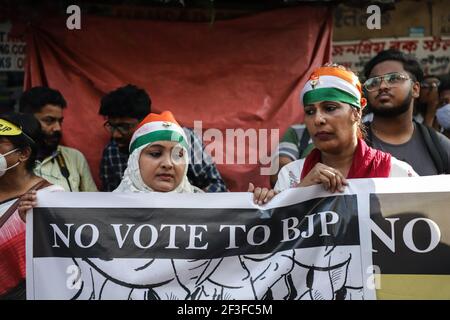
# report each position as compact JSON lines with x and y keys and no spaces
{"x":12,"y":60}
{"x":238,"y":74}
{"x":420,"y":28}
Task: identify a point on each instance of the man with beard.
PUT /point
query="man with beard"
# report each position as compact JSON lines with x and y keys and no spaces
{"x":58,"y":164}
{"x":123,"y":108}
{"x":392,"y":85}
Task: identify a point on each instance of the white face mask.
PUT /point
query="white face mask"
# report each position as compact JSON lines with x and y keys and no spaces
{"x":4,"y":165}
{"x":443,"y":116}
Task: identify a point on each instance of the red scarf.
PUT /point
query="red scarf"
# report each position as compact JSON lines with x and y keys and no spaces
{"x":367,"y":162}
{"x":12,"y":254}
{"x":12,"y":245}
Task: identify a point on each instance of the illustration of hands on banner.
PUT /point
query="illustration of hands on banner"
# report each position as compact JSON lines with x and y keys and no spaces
{"x":371,"y":242}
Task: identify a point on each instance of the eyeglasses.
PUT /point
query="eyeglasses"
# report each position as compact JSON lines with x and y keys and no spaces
{"x":427,"y":85}
{"x":123,"y":128}
{"x":391,"y":79}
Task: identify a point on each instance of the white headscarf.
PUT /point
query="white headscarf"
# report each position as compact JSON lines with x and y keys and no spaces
{"x":132,"y":180}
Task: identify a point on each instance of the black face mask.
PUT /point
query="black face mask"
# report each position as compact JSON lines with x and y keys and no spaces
{"x":393,"y":111}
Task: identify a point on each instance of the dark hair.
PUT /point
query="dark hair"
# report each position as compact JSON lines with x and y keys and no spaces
{"x":128,"y":101}
{"x":410,"y":64}
{"x":34,"y":99}
{"x":445,"y":83}
{"x":32,"y":137}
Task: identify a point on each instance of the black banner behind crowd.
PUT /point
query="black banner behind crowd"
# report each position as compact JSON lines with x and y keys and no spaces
{"x":371,"y":242}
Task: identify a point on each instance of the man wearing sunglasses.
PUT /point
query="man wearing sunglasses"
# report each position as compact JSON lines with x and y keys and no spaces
{"x":60,"y":165}
{"x":123,"y":109}
{"x":392,"y":85}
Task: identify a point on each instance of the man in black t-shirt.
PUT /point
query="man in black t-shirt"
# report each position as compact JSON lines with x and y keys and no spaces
{"x":392,"y":85}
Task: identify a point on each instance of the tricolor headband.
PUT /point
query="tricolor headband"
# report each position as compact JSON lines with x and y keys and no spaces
{"x":158,"y":127}
{"x":333,"y":83}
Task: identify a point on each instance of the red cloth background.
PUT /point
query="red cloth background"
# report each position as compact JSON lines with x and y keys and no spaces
{"x":240,"y":73}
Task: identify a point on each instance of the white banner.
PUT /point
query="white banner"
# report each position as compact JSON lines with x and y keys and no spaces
{"x":305,"y":244}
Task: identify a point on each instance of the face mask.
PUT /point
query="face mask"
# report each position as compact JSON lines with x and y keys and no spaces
{"x":4,"y":165}
{"x":443,"y":116}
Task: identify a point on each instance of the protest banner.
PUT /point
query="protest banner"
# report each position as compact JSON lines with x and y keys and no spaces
{"x":381,"y":238}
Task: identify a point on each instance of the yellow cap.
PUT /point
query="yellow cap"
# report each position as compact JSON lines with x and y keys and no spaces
{"x":9,"y":129}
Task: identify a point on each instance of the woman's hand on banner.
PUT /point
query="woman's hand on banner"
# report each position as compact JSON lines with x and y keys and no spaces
{"x":27,"y":201}
{"x":331,"y":179}
{"x":261,"y":195}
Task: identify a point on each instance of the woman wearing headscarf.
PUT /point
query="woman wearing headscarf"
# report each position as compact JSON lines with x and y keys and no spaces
{"x":18,"y":136}
{"x":158,"y":157}
{"x":333,"y":103}
{"x":157,"y":163}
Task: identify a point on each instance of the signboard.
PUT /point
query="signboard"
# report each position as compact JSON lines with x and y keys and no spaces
{"x":433,"y":53}
{"x":12,"y":51}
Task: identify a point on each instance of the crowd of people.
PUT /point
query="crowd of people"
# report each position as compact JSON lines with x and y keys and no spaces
{"x":407,"y":115}
{"x":394,"y":124}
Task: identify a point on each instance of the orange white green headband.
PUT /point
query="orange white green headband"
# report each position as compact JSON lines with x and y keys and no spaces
{"x":333,"y":83}
{"x":158,"y":127}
